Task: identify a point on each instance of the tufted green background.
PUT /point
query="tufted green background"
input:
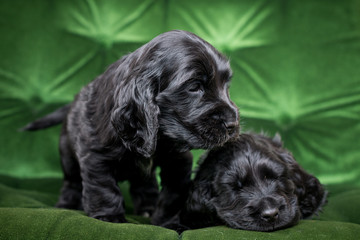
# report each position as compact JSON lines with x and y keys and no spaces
{"x":296,"y":71}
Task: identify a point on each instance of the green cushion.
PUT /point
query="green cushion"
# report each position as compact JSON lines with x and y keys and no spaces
{"x":27,"y":212}
{"x":304,"y":230}
{"x":343,"y":207}
{"x":24,"y":223}
{"x":27,"y":223}
{"x":296,"y":72}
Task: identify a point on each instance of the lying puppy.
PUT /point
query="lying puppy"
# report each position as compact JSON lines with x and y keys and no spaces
{"x":252,"y":183}
{"x":147,"y":109}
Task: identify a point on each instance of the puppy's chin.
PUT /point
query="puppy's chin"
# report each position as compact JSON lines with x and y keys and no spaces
{"x":212,"y":132}
{"x":199,"y":137}
{"x":211,"y":139}
{"x":288,"y":216}
{"x":216,"y":137}
{"x":259,"y":225}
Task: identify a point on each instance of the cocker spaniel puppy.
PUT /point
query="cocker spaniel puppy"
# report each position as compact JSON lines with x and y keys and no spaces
{"x":147,"y":109}
{"x":252,"y":183}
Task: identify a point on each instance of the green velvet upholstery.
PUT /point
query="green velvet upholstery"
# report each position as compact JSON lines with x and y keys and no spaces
{"x":296,"y":71}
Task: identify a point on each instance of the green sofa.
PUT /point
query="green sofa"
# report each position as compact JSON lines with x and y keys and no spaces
{"x":296,"y":71}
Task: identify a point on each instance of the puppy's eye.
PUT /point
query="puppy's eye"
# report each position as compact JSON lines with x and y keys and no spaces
{"x":268,"y":174}
{"x":196,"y":88}
{"x":237,"y":185}
{"x":270,"y":177}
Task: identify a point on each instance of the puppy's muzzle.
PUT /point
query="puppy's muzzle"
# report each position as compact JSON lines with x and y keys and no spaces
{"x":270,"y":214}
{"x":230,"y":121}
{"x":232,"y":127}
{"x":269,"y":209}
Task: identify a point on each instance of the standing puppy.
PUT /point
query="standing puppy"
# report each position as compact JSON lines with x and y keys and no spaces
{"x":147,"y":109}
{"x":252,"y":183}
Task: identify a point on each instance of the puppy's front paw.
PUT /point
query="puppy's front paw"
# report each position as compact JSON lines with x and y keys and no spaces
{"x":113,"y":218}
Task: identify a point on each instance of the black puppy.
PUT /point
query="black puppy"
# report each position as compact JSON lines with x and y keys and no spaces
{"x":147,"y":109}
{"x":252,"y":183}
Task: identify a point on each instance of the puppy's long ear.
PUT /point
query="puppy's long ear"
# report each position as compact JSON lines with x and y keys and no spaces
{"x":135,"y":115}
{"x":311,"y":194}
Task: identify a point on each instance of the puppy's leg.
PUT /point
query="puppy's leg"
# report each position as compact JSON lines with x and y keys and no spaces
{"x":175,"y":181}
{"x":101,"y":198}
{"x":144,"y":192}
{"x":71,"y":191}
{"x":198,"y":212}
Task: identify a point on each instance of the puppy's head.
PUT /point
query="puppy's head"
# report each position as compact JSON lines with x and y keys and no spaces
{"x":175,"y":86}
{"x":195,"y":107}
{"x":255,"y":188}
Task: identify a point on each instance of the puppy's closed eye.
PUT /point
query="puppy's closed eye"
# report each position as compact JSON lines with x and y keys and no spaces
{"x":237,"y":186}
{"x":268,"y":174}
{"x":196,"y":88}
{"x":271,"y":169}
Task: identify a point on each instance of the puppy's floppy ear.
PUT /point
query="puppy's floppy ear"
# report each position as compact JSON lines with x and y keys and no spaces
{"x":311,"y":194}
{"x":314,"y":198}
{"x":135,"y":114}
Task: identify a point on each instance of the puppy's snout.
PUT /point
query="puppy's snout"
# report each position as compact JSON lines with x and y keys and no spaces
{"x":270,"y":214}
{"x":269,"y":209}
{"x":225,"y":120}
{"x":231,"y":126}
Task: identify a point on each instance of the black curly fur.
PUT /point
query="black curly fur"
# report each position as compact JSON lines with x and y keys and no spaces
{"x":252,"y":183}
{"x":147,"y":109}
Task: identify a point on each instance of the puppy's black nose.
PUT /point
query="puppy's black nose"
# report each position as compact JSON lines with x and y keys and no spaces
{"x":270,"y":214}
{"x":231,"y":127}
